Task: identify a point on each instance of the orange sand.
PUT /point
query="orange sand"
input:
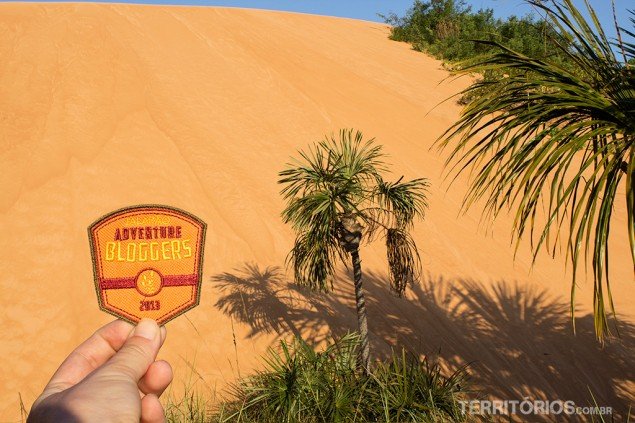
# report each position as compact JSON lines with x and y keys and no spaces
{"x":105,"y":106}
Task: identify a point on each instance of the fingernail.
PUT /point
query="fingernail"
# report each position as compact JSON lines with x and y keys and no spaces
{"x":147,"y":328}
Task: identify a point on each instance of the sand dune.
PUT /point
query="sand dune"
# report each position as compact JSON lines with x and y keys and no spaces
{"x":105,"y":106}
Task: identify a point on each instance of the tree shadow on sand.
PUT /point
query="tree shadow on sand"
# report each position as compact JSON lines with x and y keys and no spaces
{"x":517,"y":337}
{"x":268,"y":303}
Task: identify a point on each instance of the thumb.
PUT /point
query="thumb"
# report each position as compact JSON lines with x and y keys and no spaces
{"x":137,"y":353}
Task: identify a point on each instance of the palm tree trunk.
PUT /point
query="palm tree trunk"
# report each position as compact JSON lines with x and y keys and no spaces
{"x":363,"y":358}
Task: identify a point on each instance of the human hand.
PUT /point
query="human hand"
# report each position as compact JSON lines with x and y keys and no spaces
{"x":111,"y":377}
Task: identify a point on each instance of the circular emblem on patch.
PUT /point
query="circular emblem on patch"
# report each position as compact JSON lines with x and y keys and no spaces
{"x":147,"y":262}
{"x":149,"y":282}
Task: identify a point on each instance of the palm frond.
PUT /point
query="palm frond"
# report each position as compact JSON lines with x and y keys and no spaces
{"x":313,"y":258}
{"x":403,"y":259}
{"x":357,"y":160}
{"x":629,"y":47}
{"x":314,"y":171}
{"x":401,"y":201}
{"x":554,"y":144}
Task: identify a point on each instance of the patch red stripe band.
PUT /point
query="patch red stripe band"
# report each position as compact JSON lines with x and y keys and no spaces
{"x":130,"y":283}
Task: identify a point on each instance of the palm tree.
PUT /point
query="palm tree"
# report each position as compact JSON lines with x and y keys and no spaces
{"x":336,"y":198}
{"x":555,"y":143}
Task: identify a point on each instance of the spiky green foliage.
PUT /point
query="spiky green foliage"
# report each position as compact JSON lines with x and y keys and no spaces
{"x":557,"y":146}
{"x":300,"y":384}
{"x":340,"y":178}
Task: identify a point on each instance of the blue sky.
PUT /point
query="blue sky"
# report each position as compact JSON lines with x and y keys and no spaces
{"x":368,"y":9}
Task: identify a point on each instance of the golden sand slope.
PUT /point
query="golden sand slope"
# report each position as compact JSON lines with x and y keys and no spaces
{"x":104,"y":106}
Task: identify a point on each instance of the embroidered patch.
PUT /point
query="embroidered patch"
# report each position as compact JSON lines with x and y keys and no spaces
{"x":147,"y":262}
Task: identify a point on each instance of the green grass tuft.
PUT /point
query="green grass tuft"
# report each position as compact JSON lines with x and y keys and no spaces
{"x":300,"y":384}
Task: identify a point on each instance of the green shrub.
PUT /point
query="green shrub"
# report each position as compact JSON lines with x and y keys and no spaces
{"x":299,"y":384}
{"x":448,"y":29}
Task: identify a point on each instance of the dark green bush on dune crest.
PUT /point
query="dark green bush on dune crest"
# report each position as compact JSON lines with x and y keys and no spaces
{"x":447,"y":28}
{"x":451,"y":31}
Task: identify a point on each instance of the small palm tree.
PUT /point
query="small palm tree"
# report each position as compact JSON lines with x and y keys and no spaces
{"x":558,"y":140}
{"x":336,"y":198}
